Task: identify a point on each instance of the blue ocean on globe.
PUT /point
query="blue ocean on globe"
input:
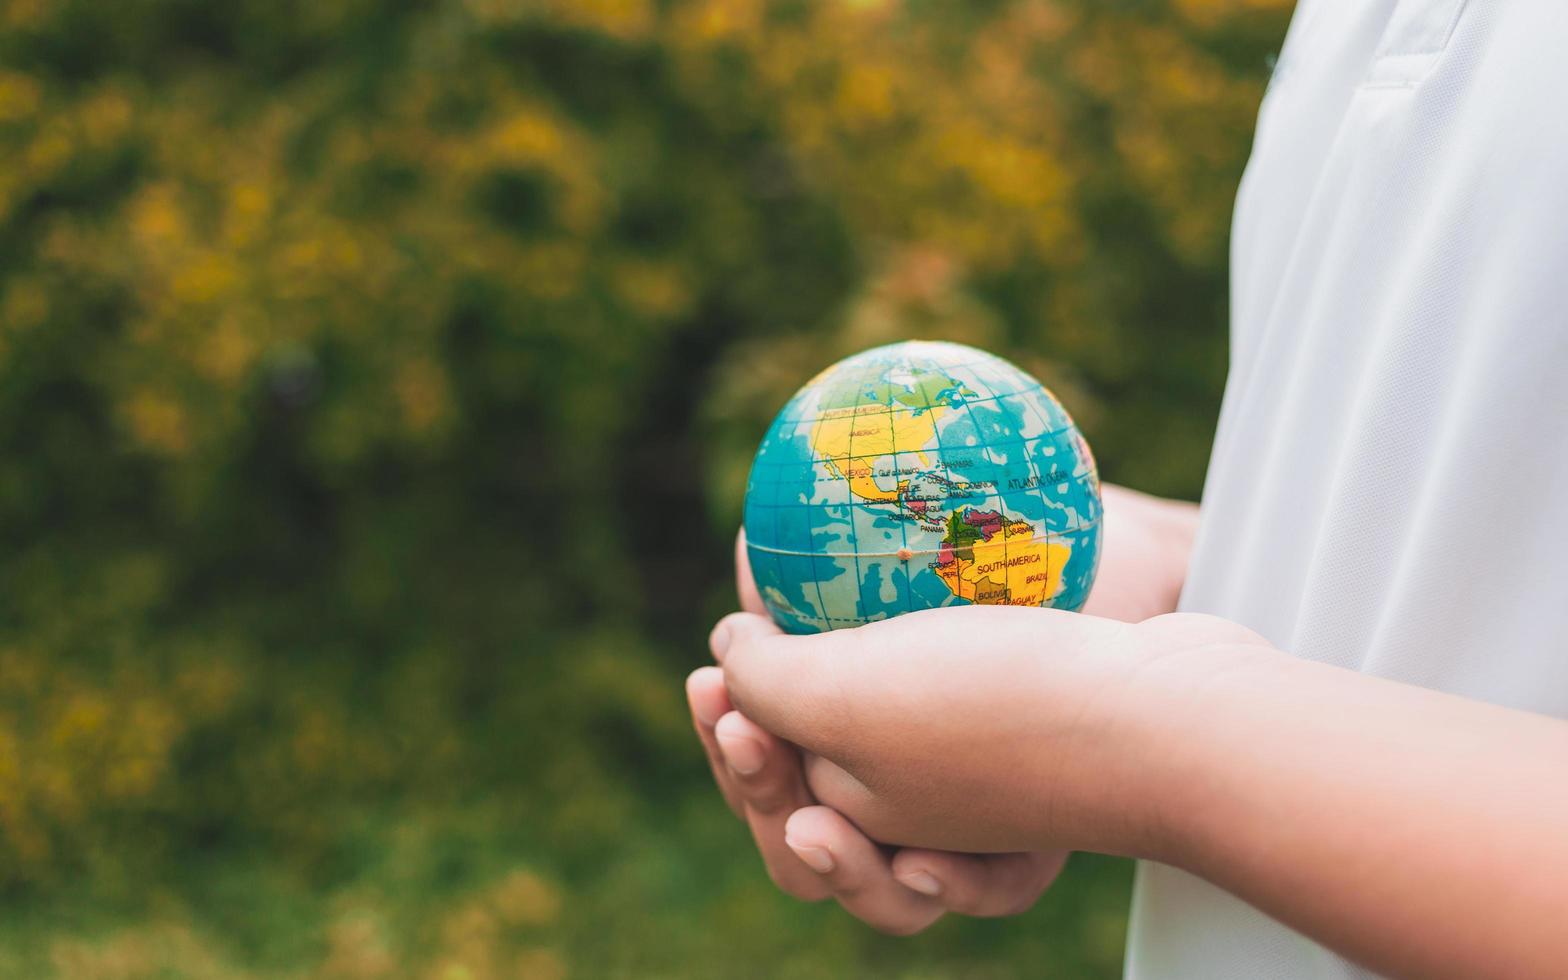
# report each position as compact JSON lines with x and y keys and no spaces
{"x":918,"y":475}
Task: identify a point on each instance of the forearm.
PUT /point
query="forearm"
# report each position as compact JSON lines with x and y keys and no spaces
{"x":1419,"y":833}
{"x":1148,"y":543}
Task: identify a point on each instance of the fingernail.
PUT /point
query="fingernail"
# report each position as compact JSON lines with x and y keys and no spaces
{"x":922,"y":882}
{"x":703,"y":707}
{"x":742,"y":754}
{"x":719,"y":641}
{"x":703,"y":711}
{"x":818,"y":859}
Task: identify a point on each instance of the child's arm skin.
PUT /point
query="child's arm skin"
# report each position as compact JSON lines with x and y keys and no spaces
{"x":1416,"y":832}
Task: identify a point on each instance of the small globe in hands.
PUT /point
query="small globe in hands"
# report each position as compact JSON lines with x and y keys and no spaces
{"x":920,"y":475}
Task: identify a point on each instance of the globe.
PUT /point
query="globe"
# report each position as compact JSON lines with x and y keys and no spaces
{"x":919,"y":475}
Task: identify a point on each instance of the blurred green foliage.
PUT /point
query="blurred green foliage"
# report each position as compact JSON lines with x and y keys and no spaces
{"x":377,"y":385}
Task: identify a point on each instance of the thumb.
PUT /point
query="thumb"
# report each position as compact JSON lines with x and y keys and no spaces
{"x":789,"y":685}
{"x":745,"y":582}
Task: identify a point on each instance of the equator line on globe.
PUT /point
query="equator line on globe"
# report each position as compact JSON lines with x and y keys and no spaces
{"x":918,"y":475}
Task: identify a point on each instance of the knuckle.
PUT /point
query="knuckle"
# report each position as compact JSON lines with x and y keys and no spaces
{"x":849,"y":885}
{"x":894,"y":925}
{"x":747,"y":646}
{"x":720,"y":770}
{"x":1019,"y":905}
{"x":1013,"y":898}
{"x":766,"y":795}
{"x":798,"y":887}
{"x":965,"y":902}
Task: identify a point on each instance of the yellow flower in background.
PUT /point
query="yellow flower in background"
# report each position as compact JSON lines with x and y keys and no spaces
{"x":523,"y":898}
{"x":19,"y":95}
{"x":422,"y":394}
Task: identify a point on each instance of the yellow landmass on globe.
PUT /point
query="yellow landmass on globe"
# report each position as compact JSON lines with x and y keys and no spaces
{"x":848,"y":438}
{"x":1013,"y":568}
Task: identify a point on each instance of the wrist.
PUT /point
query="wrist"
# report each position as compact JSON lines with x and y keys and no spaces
{"x":1173,"y":524}
{"x":1147,"y":542}
{"x":1170,"y":723}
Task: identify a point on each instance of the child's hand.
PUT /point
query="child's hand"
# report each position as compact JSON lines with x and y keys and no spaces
{"x":1012,"y":734}
{"x":902,"y":892}
{"x":1143,"y":559}
{"x":812,"y":852}
{"x":980,"y":729}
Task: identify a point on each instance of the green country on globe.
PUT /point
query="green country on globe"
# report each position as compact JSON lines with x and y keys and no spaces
{"x":919,"y":475}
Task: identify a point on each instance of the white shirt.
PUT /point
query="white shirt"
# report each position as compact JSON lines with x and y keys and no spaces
{"x":1389,"y":485}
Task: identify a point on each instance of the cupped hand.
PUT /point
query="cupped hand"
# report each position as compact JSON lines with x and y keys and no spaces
{"x":981,"y":729}
{"x":813,"y":853}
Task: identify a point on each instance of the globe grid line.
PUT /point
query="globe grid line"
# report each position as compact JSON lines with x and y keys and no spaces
{"x":816,"y":579}
{"x":854,"y":542}
{"x":904,"y":554}
{"x":1001,"y":506}
{"x":874,"y":369}
{"x":778,"y":563}
{"x":961,"y":501}
{"x":985,"y":449}
{"x":1039,"y":480}
{"x":843,"y":554}
{"x":958,"y":591}
{"x":903,"y":528}
{"x":1039,"y":486}
{"x":807,"y":419}
{"x":1021,"y":443}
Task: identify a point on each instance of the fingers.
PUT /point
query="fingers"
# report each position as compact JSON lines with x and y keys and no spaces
{"x":741,"y":629}
{"x":969,"y":884}
{"x":758,"y":774}
{"x":745,"y":584}
{"x":765,"y":770}
{"x":912,"y":890}
{"x":978,"y":884}
{"x":833,"y":785}
{"x":709,"y":702}
{"x":857,"y":872}
{"x":812,"y":852}
{"x":767,"y":780}
{"x":787,"y":684}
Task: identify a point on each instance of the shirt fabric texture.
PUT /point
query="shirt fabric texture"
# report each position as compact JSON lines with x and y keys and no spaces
{"x":1388,"y":490}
